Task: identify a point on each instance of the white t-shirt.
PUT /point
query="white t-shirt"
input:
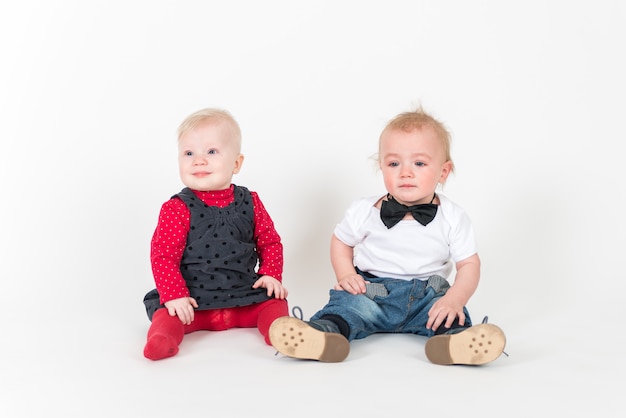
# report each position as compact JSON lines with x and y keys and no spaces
{"x":408,"y":250}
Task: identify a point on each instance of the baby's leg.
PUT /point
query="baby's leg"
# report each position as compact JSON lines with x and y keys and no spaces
{"x":164,"y":336}
{"x":262,"y":315}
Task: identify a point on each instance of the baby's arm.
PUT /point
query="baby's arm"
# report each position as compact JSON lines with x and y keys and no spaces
{"x":450,"y":306}
{"x":341,"y":257}
{"x":268,"y":243}
{"x":166,"y":250}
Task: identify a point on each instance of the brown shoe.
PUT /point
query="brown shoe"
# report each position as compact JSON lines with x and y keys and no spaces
{"x":479,"y":344}
{"x":296,"y":338}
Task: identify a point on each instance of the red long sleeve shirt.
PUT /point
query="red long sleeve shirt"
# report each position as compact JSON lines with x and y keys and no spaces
{"x":170,"y":236}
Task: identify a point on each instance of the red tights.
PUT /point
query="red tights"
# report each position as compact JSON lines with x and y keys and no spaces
{"x":166,"y":332}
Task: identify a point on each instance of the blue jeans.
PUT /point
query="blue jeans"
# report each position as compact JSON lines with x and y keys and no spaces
{"x":403,"y":310}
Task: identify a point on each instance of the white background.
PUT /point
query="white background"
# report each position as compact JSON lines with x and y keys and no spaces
{"x":91,"y":94}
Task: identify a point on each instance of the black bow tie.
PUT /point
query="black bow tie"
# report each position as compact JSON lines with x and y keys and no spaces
{"x":392,"y":211}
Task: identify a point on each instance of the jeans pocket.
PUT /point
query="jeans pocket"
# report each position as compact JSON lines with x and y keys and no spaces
{"x":438,"y":284}
{"x":375,"y":289}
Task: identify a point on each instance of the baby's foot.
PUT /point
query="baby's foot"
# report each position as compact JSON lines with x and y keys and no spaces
{"x":159,"y":347}
{"x":299,"y":339}
{"x":475,"y":345}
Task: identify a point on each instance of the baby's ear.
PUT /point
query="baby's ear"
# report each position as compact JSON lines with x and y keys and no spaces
{"x":238,"y":164}
{"x":446,"y":169}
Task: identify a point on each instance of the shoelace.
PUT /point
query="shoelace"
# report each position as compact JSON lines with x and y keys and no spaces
{"x":293,"y":312}
{"x":484,"y":322}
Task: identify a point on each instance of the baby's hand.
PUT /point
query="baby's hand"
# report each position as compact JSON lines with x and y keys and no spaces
{"x":445,"y":311}
{"x":352,"y":283}
{"x":272,"y":285}
{"x":183,"y":307}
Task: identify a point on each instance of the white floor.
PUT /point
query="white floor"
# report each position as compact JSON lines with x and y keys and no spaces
{"x":92,"y":366}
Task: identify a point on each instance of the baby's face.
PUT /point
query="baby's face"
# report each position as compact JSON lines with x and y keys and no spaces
{"x":412,"y":163}
{"x":208,"y":156}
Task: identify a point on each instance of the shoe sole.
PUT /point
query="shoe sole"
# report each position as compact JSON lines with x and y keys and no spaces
{"x":295,"y":338}
{"x":476,"y":345}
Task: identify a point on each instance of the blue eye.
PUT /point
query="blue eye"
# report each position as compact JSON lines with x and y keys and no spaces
{"x":212,"y":151}
{"x":188,"y":153}
{"x":393,"y":164}
{"x":419,"y":164}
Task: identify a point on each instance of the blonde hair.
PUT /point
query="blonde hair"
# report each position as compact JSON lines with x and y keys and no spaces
{"x":211,"y":115}
{"x":419,"y":119}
